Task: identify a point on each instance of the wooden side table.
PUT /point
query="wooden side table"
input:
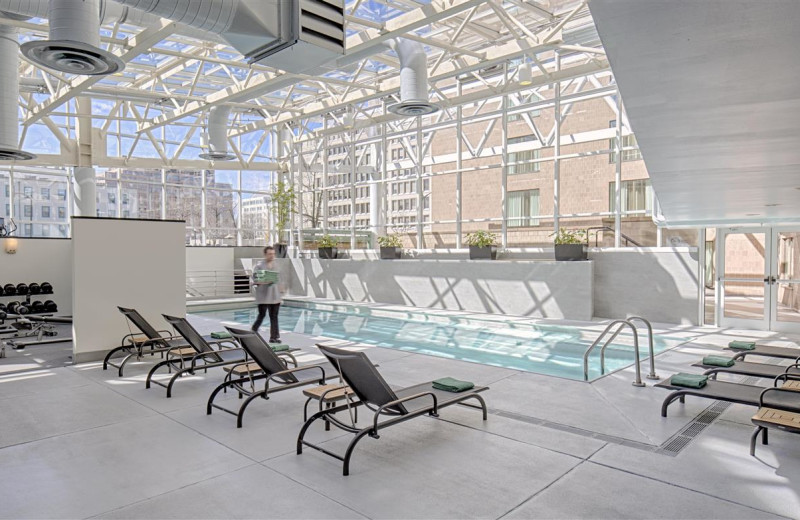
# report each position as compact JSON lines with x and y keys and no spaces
{"x":327,"y":395}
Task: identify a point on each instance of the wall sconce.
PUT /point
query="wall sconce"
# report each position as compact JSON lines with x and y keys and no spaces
{"x":11,"y":245}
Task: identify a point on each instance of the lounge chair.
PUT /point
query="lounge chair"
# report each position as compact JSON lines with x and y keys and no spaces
{"x":270,"y":368}
{"x":147,"y":341}
{"x":767,"y":351}
{"x":733,"y":393}
{"x":772,"y":417}
{"x":747,"y":368}
{"x":198,"y":355}
{"x":395,"y":406}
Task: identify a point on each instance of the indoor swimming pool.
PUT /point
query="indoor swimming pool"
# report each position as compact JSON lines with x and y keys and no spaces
{"x":520,"y":344}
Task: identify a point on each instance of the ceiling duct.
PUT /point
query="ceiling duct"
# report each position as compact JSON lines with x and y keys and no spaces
{"x":218,"y":134}
{"x":9,"y":97}
{"x":413,"y":79}
{"x":74,"y":43}
{"x":292,"y":35}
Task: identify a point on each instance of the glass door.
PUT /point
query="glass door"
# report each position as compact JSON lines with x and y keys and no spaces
{"x":785,"y":280}
{"x":743,"y":281}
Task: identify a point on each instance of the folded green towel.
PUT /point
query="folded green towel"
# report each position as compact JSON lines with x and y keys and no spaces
{"x":718,"y":361}
{"x":279,"y":347}
{"x":264,"y":276}
{"x":688,"y":380}
{"x":742,"y":345}
{"x":221,"y":335}
{"x":449,"y":384}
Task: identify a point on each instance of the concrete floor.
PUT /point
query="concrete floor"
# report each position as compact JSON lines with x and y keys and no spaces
{"x":78,"y":442}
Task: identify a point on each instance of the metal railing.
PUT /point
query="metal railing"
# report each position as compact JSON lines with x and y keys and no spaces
{"x":617,"y":326}
{"x":217,"y":284}
{"x":623,"y":236}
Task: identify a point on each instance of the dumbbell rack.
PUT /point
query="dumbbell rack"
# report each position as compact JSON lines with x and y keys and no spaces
{"x":27,"y":302}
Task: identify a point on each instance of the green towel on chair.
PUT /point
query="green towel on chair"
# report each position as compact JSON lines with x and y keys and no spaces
{"x":449,"y":384}
{"x":718,"y":361}
{"x":742,"y":345}
{"x":279,"y":347}
{"x":688,"y":380}
{"x":221,"y":335}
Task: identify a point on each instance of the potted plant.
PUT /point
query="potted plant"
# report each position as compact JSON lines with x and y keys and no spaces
{"x":569,"y":245}
{"x":482,"y":245}
{"x":283,"y":200}
{"x":327,"y":247}
{"x":390,"y":247}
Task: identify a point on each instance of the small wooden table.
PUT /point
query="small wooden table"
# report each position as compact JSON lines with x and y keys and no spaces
{"x":328,"y":395}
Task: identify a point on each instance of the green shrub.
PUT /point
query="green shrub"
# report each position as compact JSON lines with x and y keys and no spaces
{"x":481,"y":239}
{"x":566,"y":236}
{"x":327,"y":241}
{"x":390,"y":241}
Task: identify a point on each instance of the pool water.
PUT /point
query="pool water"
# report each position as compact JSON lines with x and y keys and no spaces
{"x":533,"y":347}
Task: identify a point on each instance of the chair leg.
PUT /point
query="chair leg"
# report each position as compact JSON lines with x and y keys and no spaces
{"x":350,"y":447}
{"x":245,"y":404}
{"x":753,"y":439}
{"x":764,"y":438}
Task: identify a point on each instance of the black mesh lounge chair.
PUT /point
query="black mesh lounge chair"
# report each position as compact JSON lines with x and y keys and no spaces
{"x":393,"y":406}
{"x":198,"y":355}
{"x":768,"y":351}
{"x":147,"y":341}
{"x":733,"y":393}
{"x":769,"y":416}
{"x":271,"y":368}
{"x":746,"y":368}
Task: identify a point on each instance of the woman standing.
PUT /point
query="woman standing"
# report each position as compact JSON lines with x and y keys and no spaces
{"x":268,"y":295}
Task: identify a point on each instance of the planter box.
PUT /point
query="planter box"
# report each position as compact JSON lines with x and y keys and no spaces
{"x":391,"y":253}
{"x":571,"y":252}
{"x":327,"y":253}
{"x":280,"y":250}
{"x":482,"y":253}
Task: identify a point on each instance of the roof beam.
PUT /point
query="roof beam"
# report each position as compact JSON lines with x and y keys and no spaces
{"x":138,"y":44}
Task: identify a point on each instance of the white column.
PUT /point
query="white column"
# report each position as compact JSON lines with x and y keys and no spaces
{"x":618,"y":175}
{"x":85,"y":189}
{"x":557,"y":151}
{"x":459,"y":165}
{"x":375,"y":201}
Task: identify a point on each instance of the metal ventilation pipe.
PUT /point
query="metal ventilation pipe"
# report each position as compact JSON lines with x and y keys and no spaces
{"x":9,"y":97}
{"x":217,"y":128}
{"x":74,"y":43}
{"x":413,"y":79}
{"x":209,"y":15}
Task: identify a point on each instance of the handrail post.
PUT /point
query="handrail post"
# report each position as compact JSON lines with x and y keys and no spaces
{"x":651,"y":348}
{"x":638,"y":381}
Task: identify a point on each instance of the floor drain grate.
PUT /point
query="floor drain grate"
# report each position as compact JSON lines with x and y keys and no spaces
{"x":680,"y":440}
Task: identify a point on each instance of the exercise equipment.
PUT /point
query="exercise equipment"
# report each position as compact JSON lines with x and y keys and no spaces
{"x":22,"y":289}
{"x":3,"y":315}
{"x":9,"y":289}
{"x":34,"y":288}
{"x":50,"y":306}
{"x":3,"y":307}
{"x":23,"y":309}
{"x":41,"y":328}
{"x":12,"y":307}
{"x":47,"y":288}
{"x":37,"y":306}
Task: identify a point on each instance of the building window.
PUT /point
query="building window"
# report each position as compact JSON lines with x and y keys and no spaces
{"x":112,"y":197}
{"x":45,"y":230}
{"x":62,"y":213}
{"x":45,"y":211}
{"x":522,"y":207}
{"x":28,"y":230}
{"x":27,"y":211}
{"x":521,"y":161}
{"x":62,"y":194}
{"x":636,"y":195}
{"x":45,"y":193}
{"x":627,"y":142}
{"x":28,"y":192}
{"x":518,"y":117}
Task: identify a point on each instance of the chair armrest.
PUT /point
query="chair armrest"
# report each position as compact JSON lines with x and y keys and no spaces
{"x":288,"y":355}
{"x":776,"y":389}
{"x":378,"y":412}
{"x":289,"y":371}
{"x":786,"y":377}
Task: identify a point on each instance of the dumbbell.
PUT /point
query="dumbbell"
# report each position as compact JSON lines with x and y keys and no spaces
{"x":3,"y":307}
{"x":13,"y":307}
{"x":35,"y":288}
{"x":50,"y":306}
{"x":3,"y":315}
{"x":23,"y":309}
{"x":10,"y":289}
{"x":37,"y":306}
{"x":22,"y":289}
{"x":47,"y":288}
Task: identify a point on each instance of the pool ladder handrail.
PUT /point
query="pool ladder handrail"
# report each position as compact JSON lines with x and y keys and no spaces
{"x":621,"y":324}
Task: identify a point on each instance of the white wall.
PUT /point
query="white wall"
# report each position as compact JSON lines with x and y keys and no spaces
{"x":658,"y":284}
{"x":543,"y":289}
{"x":40,"y":260}
{"x":128,"y":263}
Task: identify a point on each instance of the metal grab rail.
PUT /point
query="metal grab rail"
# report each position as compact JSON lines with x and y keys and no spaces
{"x":650,"y":347}
{"x":620,"y":324}
{"x":217,"y":283}
{"x":622,"y":235}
